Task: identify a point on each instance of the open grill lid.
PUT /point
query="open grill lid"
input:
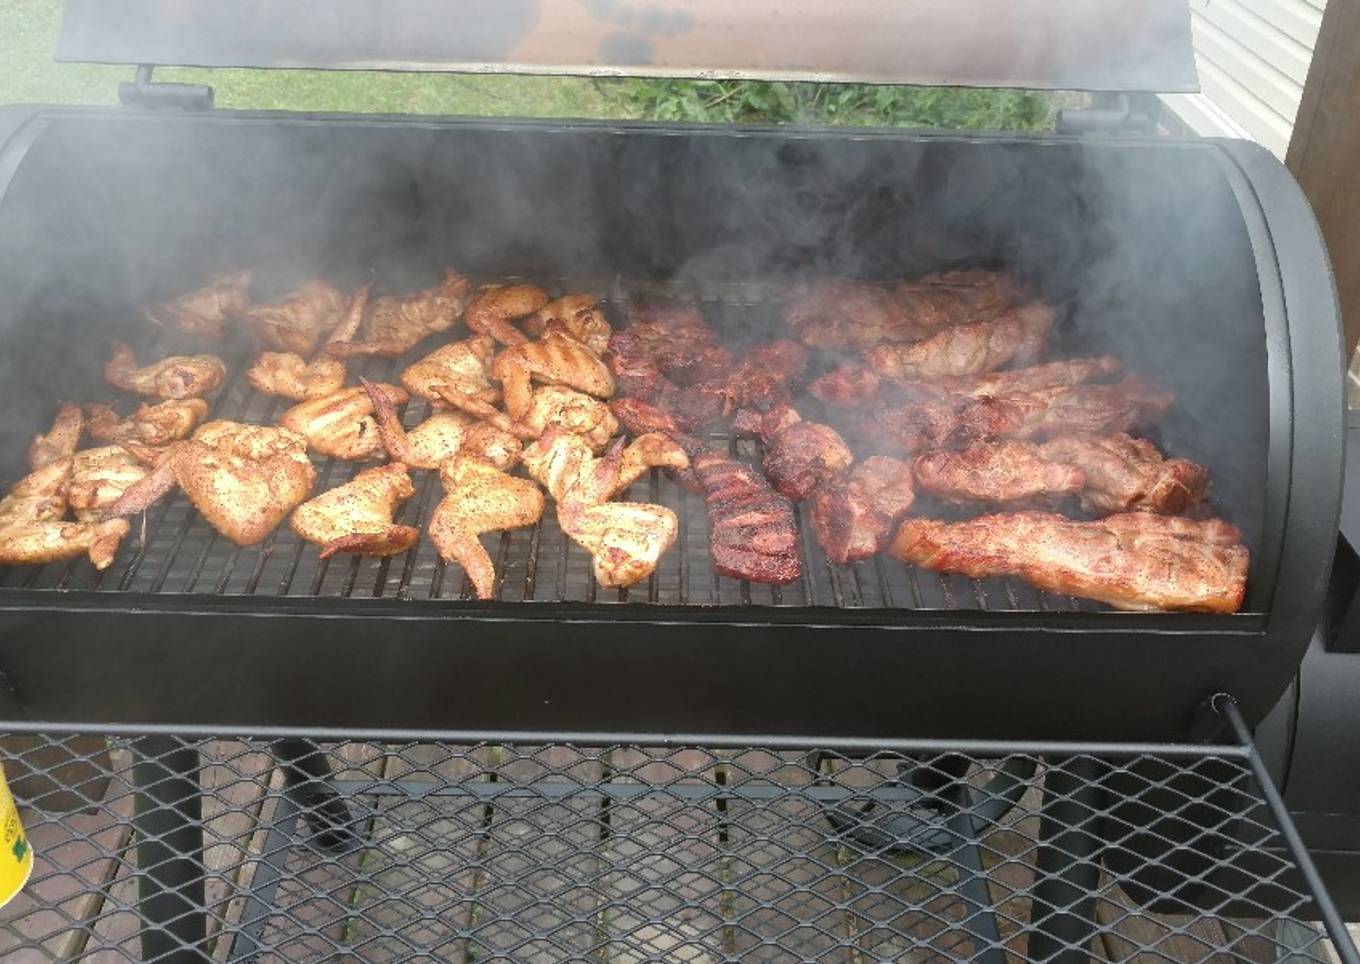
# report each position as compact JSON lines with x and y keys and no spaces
{"x":1126,"y":45}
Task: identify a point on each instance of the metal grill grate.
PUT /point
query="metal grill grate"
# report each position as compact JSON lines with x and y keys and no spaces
{"x":178,"y":552}
{"x":391,"y":849}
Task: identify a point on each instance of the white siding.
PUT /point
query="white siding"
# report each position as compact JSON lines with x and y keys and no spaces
{"x":1253,"y":60}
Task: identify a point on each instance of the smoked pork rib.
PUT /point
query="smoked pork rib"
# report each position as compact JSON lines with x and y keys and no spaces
{"x":997,"y":473}
{"x":1135,"y":561}
{"x":841,"y":313}
{"x":1125,"y":473}
{"x":968,"y":349}
{"x":752,"y":532}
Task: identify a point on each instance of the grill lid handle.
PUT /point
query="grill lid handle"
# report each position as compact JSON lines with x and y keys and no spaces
{"x":1129,"y":45}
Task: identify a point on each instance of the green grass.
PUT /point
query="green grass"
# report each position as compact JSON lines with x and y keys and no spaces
{"x":28,"y":38}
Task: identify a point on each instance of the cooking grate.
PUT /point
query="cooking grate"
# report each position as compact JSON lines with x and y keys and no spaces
{"x":178,"y":552}
{"x":471,"y":851}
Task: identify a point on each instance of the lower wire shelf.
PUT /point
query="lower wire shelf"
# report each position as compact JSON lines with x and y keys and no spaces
{"x":293,"y":846}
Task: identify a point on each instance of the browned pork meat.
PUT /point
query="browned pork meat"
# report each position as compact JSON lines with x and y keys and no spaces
{"x":1136,"y":560}
{"x":996,"y":472}
{"x":1035,"y":378}
{"x":841,"y":313}
{"x":1125,"y":473}
{"x":752,"y":534}
{"x":846,"y":386}
{"x":853,"y":515}
{"x":760,"y":379}
{"x":799,"y":455}
{"x":967,"y":349}
{"x":953,"y":420}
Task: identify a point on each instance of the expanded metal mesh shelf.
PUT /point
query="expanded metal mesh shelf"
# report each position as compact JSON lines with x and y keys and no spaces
{"x":401,"y":847}
{"x":177,"y":552}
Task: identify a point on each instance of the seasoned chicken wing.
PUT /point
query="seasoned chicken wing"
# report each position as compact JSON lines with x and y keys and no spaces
{"x":297,"y":322}
{"x":244,"y":479}
{"x":61,"y":439}
{"x":286,"y":375}
{"x":341,"y":425}
{"x":496,"y":306}
{"x":564,"y":464}
{"x":40,"y":496}
{"x":397,"y":323}
{"x":180,"y":376}
{"x":150,"y":425}
{"x":201,"y":313}
{"x":357,"y":516}
{"x":554,"y":406}
{"x":578,"y":316}
{"x":480,"y":498}
{"x":38,"y":542}
{"x":31,"y":526}
{"x":461,"y":366}
{"x":289,"y":375}
{"x":625,"y":539}
{"x":99,"y":477}
{"x":440,"y":437}
{"x":555,"y":359}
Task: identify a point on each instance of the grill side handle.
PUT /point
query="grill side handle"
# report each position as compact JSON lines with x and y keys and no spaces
{"x":1306,"y":453}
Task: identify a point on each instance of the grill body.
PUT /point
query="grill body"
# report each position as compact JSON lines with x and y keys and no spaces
{"x":1195,"y":261}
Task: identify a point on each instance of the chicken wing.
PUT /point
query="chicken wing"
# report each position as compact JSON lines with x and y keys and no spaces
{"x":461,"y":366}
{"x":289,"y":375}
{"x":99,"y":477}
{"x":32,"y":529}
{"x":39,"y":542}
{"x":244,"y":479}
{"x":625,"y":539}
{"x":180,"y":376}
{"x":341,"y":425}
{"x":297,"y":322}
{"x":286,"y":375}
{"x":397,"y":323}
{"x":150,"y":425}
{"x":61,"y":439}
{"x":555,"y":359}
{"x":496,"y":306}
{"x":440,"y":437}
{"x":201,"y":313}
{"x":357,"y":516}
{"x":578,"y":316}
{"x":564,"y":464}
{"x":554,"y":406}
{"x":40,"y":496}
{"x":480,"y":498}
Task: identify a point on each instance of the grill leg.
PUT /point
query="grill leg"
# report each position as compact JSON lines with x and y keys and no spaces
{"x":307,"y":780}
{"x":168,"y":817}
{"x":1063,"y":910}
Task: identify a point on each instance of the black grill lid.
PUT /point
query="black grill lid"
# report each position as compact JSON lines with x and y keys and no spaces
{"x":1132,"y":45}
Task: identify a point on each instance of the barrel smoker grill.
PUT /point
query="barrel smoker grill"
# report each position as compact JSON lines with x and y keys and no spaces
{"x":1197,"y":262}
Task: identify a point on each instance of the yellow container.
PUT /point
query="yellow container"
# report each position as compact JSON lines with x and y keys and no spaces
{"x":16,"y":856}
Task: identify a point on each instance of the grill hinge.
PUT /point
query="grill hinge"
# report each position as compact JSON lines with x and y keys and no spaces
{"x":1117,"y":114}
{"x":143,"y":92}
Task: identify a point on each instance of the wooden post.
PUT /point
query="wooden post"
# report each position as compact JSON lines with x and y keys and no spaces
{"x":1324,"y":152}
